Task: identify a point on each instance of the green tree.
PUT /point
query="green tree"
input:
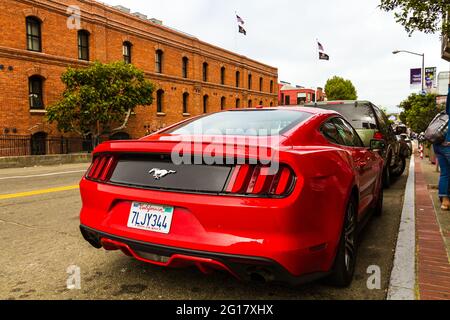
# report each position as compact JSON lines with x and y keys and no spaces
{"x":100,"y":99}
{"x":427,"y":16}
{"x":338,"y":88}
{"x":419,"y":110}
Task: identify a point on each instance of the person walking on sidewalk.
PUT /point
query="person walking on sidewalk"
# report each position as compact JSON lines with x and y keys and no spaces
{"x":443,"y":156}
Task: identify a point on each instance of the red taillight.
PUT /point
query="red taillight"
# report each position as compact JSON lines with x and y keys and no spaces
{"x":101,"y":168}
{"x":259,"y":180}
{"x":282,"y":181}
{"x":239,"y":179}
{"x":378,"y":136}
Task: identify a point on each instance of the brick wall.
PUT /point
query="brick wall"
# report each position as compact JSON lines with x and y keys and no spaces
{"x":108,"y":29}
{"x":287,"y":93}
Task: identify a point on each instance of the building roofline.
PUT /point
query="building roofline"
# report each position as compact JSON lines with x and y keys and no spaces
{"x":172,"y":30}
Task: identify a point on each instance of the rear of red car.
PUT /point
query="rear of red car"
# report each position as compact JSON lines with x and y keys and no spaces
{"x":245,"y":218}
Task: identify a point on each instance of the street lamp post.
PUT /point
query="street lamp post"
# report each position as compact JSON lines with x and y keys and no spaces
{"x":423,"y":63}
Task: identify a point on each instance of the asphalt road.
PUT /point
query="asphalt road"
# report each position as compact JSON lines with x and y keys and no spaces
{"x":40,"y":239}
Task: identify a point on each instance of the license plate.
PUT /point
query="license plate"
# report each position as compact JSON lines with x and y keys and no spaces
{"x":149,"y":217}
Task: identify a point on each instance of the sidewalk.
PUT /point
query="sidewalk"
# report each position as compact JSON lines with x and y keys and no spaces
{"x":433,"y":236}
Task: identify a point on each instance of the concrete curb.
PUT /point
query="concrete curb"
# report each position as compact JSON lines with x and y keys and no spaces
{"x":47,"y":160}
{"x":403,"y":278}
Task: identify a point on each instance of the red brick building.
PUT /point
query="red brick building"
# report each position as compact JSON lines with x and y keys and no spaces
{"x":39,"y":42}
{"x":289,"y":95}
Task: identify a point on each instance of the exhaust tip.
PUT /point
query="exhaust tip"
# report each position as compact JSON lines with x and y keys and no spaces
{"x":260,"y":274}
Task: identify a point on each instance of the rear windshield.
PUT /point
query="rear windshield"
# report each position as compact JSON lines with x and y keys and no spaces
{"x":243,"y":123}
{"x":361,"y":116}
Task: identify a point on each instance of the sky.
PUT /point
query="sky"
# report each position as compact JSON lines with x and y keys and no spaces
{"x":358,"y":37}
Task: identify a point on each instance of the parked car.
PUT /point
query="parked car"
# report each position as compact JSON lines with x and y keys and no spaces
{"x":293,"y":224}
{"x":372,"y":123}
{"x":405,"y":145}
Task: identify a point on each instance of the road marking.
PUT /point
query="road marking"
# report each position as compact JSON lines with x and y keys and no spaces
{"x":43,"y":175}
{"x":403,"y":278}
{"x":36,"y":192}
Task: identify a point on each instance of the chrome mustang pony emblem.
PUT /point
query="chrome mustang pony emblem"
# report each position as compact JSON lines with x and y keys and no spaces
{"x":158,"y":174}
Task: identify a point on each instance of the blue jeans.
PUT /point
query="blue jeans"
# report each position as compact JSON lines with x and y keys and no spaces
{"x":443,"y":156}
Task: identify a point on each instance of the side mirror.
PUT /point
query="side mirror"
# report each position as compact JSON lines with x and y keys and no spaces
{"x":377,"y":145}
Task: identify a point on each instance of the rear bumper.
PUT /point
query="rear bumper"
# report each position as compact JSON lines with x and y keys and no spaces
{"x":244,"y":268}
{"x":298,"y":233}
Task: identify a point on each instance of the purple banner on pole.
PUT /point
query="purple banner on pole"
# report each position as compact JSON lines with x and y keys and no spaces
{"x":416,"y":77}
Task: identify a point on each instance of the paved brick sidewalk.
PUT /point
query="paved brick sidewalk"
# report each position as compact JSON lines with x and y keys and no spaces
{"x":433,"y":266}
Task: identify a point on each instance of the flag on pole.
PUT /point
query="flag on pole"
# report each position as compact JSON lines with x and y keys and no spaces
{"x":242,"y":30}
{"x":320,"y":46}
{"x":323,"y":56}
{"x":241,"y":25}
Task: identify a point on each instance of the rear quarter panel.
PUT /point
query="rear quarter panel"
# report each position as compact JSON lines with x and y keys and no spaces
{"x":328,"y":180}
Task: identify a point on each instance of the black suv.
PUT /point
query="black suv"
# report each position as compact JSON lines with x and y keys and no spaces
{"x":371,"y":124}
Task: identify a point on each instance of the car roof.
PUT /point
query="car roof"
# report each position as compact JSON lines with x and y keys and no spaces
{"x":337,"y":102}
{"x":293,"y":108}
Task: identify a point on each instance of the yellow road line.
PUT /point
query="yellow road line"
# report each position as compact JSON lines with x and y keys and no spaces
{"x":36,"y":192}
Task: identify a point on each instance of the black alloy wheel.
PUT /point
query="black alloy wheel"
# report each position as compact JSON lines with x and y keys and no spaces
{"x":344,"y":266}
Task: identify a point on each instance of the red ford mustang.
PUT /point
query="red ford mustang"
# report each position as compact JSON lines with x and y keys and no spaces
{"x":274,"y":194}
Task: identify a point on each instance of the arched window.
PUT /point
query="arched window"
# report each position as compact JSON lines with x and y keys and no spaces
{"x":35,"y":92}
{"x":205,"y":103}
{"x":185,"y":102}
{"x":250,"y":103}
{"x":34,"y":36}
{"x":250,"y":81}
{"x":159,"y":61}
{"x":261,"y":81}
{"x":271,"y":86}
{"x":83,"y":45}
{"x":261,"y":103}
{"x":238,"y":79}
{"x":222,"y":75}
{"x":271,"y":104}
{"x":238,"y":103}
{"x":127,"y":52}
{"x":205,"y":72}
{"x":159,"y":101}
{"x":223,"y":102}
{"x":184,"y":69}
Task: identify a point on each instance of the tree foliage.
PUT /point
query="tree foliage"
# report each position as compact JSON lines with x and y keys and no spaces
{"x":99,"y":99}
{"x":419,"y":110}
{"x":338,"y":88}
{"x":427,"y":16}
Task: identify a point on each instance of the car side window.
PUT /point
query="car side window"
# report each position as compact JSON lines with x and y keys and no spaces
{"x":381,"y":120}
{"x":357,"y":142}
{"x":331,"y":133}
{"x":348,"y":133}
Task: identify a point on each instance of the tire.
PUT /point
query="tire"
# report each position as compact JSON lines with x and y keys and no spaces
{"x":400,"y":169}
{"x":378,"y":212}
{"x":344,"y":265}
